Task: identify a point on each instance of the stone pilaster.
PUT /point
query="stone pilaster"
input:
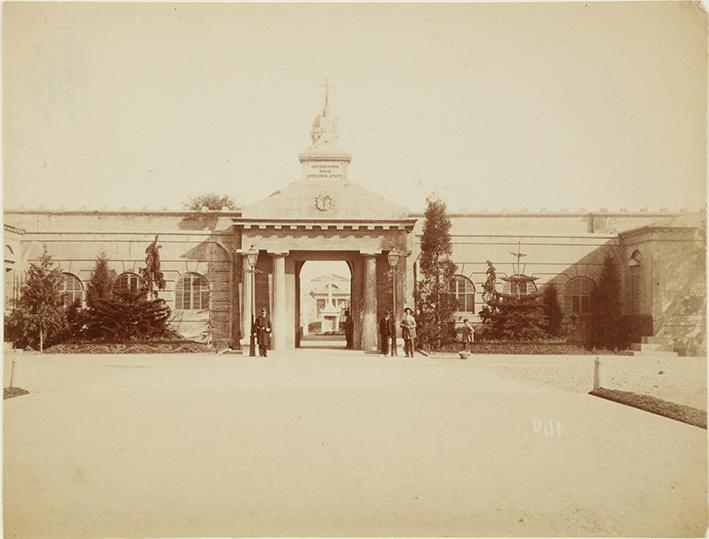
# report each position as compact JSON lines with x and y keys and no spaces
{"x":246,"y":298}
{"x":279,"y":301}
{"x":369,"y":316}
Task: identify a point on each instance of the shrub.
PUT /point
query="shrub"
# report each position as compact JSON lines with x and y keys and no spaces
{"x":552,"y":309}
{"x":128,"y":316}
{"x":39,"y":318}
{"x":212,"y":201}
{"x":633,"y":327}
{"x":605,"y":308}
{"x":515,"y":319}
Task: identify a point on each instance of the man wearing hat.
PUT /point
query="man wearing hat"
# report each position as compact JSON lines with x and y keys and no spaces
{"x":262,"y":330}
{"x":386,"y":333}
{"x":408,"y":332}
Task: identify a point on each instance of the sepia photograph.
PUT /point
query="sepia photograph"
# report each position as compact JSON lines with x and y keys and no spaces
{"x":354,"y":270}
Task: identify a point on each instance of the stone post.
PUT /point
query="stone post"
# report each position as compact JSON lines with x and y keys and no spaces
{"x":369,"y":317}
{"x":599,"y":374}
{"x":279,"y":301}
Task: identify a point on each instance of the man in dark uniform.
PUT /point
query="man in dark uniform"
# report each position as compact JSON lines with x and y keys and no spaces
{"x":386,"y":332}
{"x":262,"y":330}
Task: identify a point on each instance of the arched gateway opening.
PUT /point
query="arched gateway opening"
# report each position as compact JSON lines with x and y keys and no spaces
{"x":323,"y":293}
{"x":323,"y":217}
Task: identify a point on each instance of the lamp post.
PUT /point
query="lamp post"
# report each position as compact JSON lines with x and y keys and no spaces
{"x":252,"y":258}
{"x":393,"y":258}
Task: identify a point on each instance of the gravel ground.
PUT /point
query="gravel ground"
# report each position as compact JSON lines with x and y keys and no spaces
{"x":332,"y":444}
{"x":680,"y":380}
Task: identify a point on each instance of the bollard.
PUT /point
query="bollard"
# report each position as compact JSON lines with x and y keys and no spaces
{"x":12,"y":372}
{"x":599,"y":374}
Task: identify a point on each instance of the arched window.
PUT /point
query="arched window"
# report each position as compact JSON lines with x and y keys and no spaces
{"x":71,"y":289}
{"x":192,"y":292}
{"x":464,"y":291}
{"x":577,"y":295}
{"x":523,"y":288}
{"x":127,"y":282}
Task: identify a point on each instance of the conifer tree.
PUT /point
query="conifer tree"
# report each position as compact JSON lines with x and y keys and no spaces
{"x":552,"y":309}
{"x":436,"y":304}
{"x":119,"y":316}
{"x":101,"y":282}
{"x":515,"y":316}
{"x":606,"y":307}
{"x":39,"y":318}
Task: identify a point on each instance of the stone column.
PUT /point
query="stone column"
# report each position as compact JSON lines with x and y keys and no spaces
{"x":279,"y":301}
{"x":246,"y":282}
{"x":369,"y":316}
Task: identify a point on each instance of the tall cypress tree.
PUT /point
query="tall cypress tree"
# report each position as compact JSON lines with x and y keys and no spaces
{"x":606,"y":307}
{"x":101,"y":282}
{"x":435,"y":301}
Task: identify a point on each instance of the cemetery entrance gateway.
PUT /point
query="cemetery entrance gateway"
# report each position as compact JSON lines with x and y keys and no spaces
{"x":323,"y":216}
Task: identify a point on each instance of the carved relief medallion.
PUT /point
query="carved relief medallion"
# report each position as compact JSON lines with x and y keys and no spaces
{"x":324,"y":202}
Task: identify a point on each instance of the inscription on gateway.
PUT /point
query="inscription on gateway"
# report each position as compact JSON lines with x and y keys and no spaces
{"x":325,"y":171}
{"x":324,"y":202}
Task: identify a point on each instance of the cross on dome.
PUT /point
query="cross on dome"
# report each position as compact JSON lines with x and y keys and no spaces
{"x":325,"y":126}
{"x":327,"y":87}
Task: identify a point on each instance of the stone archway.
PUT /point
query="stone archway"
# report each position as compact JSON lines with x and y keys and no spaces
{"x":322,"y":297}
{"x":324,"y":214}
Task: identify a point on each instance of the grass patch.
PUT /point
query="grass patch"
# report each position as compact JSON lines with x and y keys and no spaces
{"x":9,"y":392}
{"x":678,"y":412}
{"x":528,"y":348}
{"x":157,"y":347}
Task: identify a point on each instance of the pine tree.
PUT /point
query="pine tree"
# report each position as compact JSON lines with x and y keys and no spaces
{"x":101,"y":282}
{"x":606,"y":307}
{"x":515,"y":319}
{"x":514,"y":316}
{"x":128,"y":315}
{"x":435,"y":302}
{"x":552,"y":309}
{"x":39,"y":318}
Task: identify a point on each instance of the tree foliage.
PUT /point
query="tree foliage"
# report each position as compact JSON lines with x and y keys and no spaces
{"x":128,"y":315}
{"x":39,"y":318}
{"x":606,"y":308}
{"x":212,"y":201}
{"x":552,"y":309}
{"x":436,"y":304}
{"x":101,"y":281}
{"x":515,"y":319}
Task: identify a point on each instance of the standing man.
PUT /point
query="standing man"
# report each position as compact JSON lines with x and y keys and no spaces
{"x":408,"y":332}
{"x":468,"y":334}
{"x":386,"y":330}
{"x":349,"y":328}
{"x":262,"y":330}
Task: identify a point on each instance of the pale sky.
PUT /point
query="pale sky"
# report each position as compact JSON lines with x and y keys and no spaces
{"x":493,"y":105}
